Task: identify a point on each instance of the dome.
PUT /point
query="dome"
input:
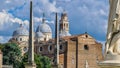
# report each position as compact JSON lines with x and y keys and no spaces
{"x":44,"y":28}
{"x":64,"y":33}
{"x":39,"y":35}
{"x":21,"y":31}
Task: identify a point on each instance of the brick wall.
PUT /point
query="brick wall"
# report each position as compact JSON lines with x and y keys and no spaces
{"x":85,"y":48}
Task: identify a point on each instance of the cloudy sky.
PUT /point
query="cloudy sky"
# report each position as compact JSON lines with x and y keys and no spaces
{"x":84,"y":16}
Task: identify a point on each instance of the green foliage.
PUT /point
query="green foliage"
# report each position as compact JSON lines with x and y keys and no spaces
{"x":38,"y":61}
{"x":1,"y":46}
{"x":46,"y":62}
{"x":41,"y":61}
{"x":11,"y":55}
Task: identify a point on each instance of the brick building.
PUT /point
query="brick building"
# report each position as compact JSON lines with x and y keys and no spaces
{"x":79,"y":51}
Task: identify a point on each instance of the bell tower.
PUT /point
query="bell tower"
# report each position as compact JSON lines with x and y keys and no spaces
{"x":64,"y":25}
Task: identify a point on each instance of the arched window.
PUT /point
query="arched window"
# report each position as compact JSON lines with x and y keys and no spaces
{"x":86,"y":36}
{"x":49,"y":48}
{"x":67,"y":25}
{"x":40,"y":49}
{"x":53,"y":60}
{"x":64,"y":25}
{"x":61,"y":25}
{"x":86,"y":47}
{"x":61,"y":47}
{"x":20,"y":39}
{"x":16,"y":39}
{"x":44,"y":39}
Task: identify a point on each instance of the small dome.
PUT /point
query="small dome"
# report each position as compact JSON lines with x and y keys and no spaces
{"x":39,"y":35}
{"x":21,"y":31}
{"x":44,"y":28}
{"x":64,"y":33}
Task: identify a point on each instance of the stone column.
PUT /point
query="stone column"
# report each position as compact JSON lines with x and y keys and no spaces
{"x":56,"y":57}
{"x":31,"y":63}
{"x":1,"y":59}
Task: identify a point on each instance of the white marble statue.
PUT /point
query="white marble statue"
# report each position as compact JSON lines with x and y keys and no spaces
{"x":113,"y":34}
{"x":86,"y":64}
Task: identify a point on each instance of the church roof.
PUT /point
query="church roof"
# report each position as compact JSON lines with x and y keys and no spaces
{"x":39,"y":35}
{"x":44,"y":28}
{"x":21,"y":31}
{"x":85,"y":35}
{"x":82,"y":36}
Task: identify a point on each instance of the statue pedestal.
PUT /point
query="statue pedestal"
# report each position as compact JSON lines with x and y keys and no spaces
{"x":111,"y":61}
{"x":30,"y":65}
{"x":57,"y":66}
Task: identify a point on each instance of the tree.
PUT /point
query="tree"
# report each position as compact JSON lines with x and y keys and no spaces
{"x":1,"y":46}
{"x":46,"y":62}
{"x":41,"y":61}
{"x":11,"y":55}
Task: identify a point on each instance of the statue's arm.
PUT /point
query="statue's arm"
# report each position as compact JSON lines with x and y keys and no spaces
{"x":109,"y":36}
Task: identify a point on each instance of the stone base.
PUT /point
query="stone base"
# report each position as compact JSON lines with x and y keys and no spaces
{"x":109,"y":64}
{"x":57,"y":66}
{"x":111,"y":61}
{"x":109,"y":67}
{"x":30,"y":66}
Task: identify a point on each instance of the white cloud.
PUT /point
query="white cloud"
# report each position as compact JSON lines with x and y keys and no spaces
{"x":51,"y":7}
{"x":93,"y":14}
{"x":36,"y":19}
{"x":21,"y":8}
{"x":52,"y":22}
{"x":102,"y":12}
{"x":39,"y":20}
{"x":90,"y":13}
{"x":10,"y":4}
{"x":7,"y":20}
{"x":45,"y":6}
{"x":4,"y":39}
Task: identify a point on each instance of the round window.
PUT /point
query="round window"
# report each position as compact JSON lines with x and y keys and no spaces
{"x":61,"y":47}
{"x":25,"y":49}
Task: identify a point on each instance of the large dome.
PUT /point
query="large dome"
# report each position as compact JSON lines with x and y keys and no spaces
{"x":44,"y":28}
{"x":21,"y":31}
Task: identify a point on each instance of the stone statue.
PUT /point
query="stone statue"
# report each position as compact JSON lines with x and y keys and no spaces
{"x":112,"y":52}
{"x":113,"y":34}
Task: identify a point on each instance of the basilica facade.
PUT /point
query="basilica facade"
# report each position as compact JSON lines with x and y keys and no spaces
{"x":76,"y":51}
